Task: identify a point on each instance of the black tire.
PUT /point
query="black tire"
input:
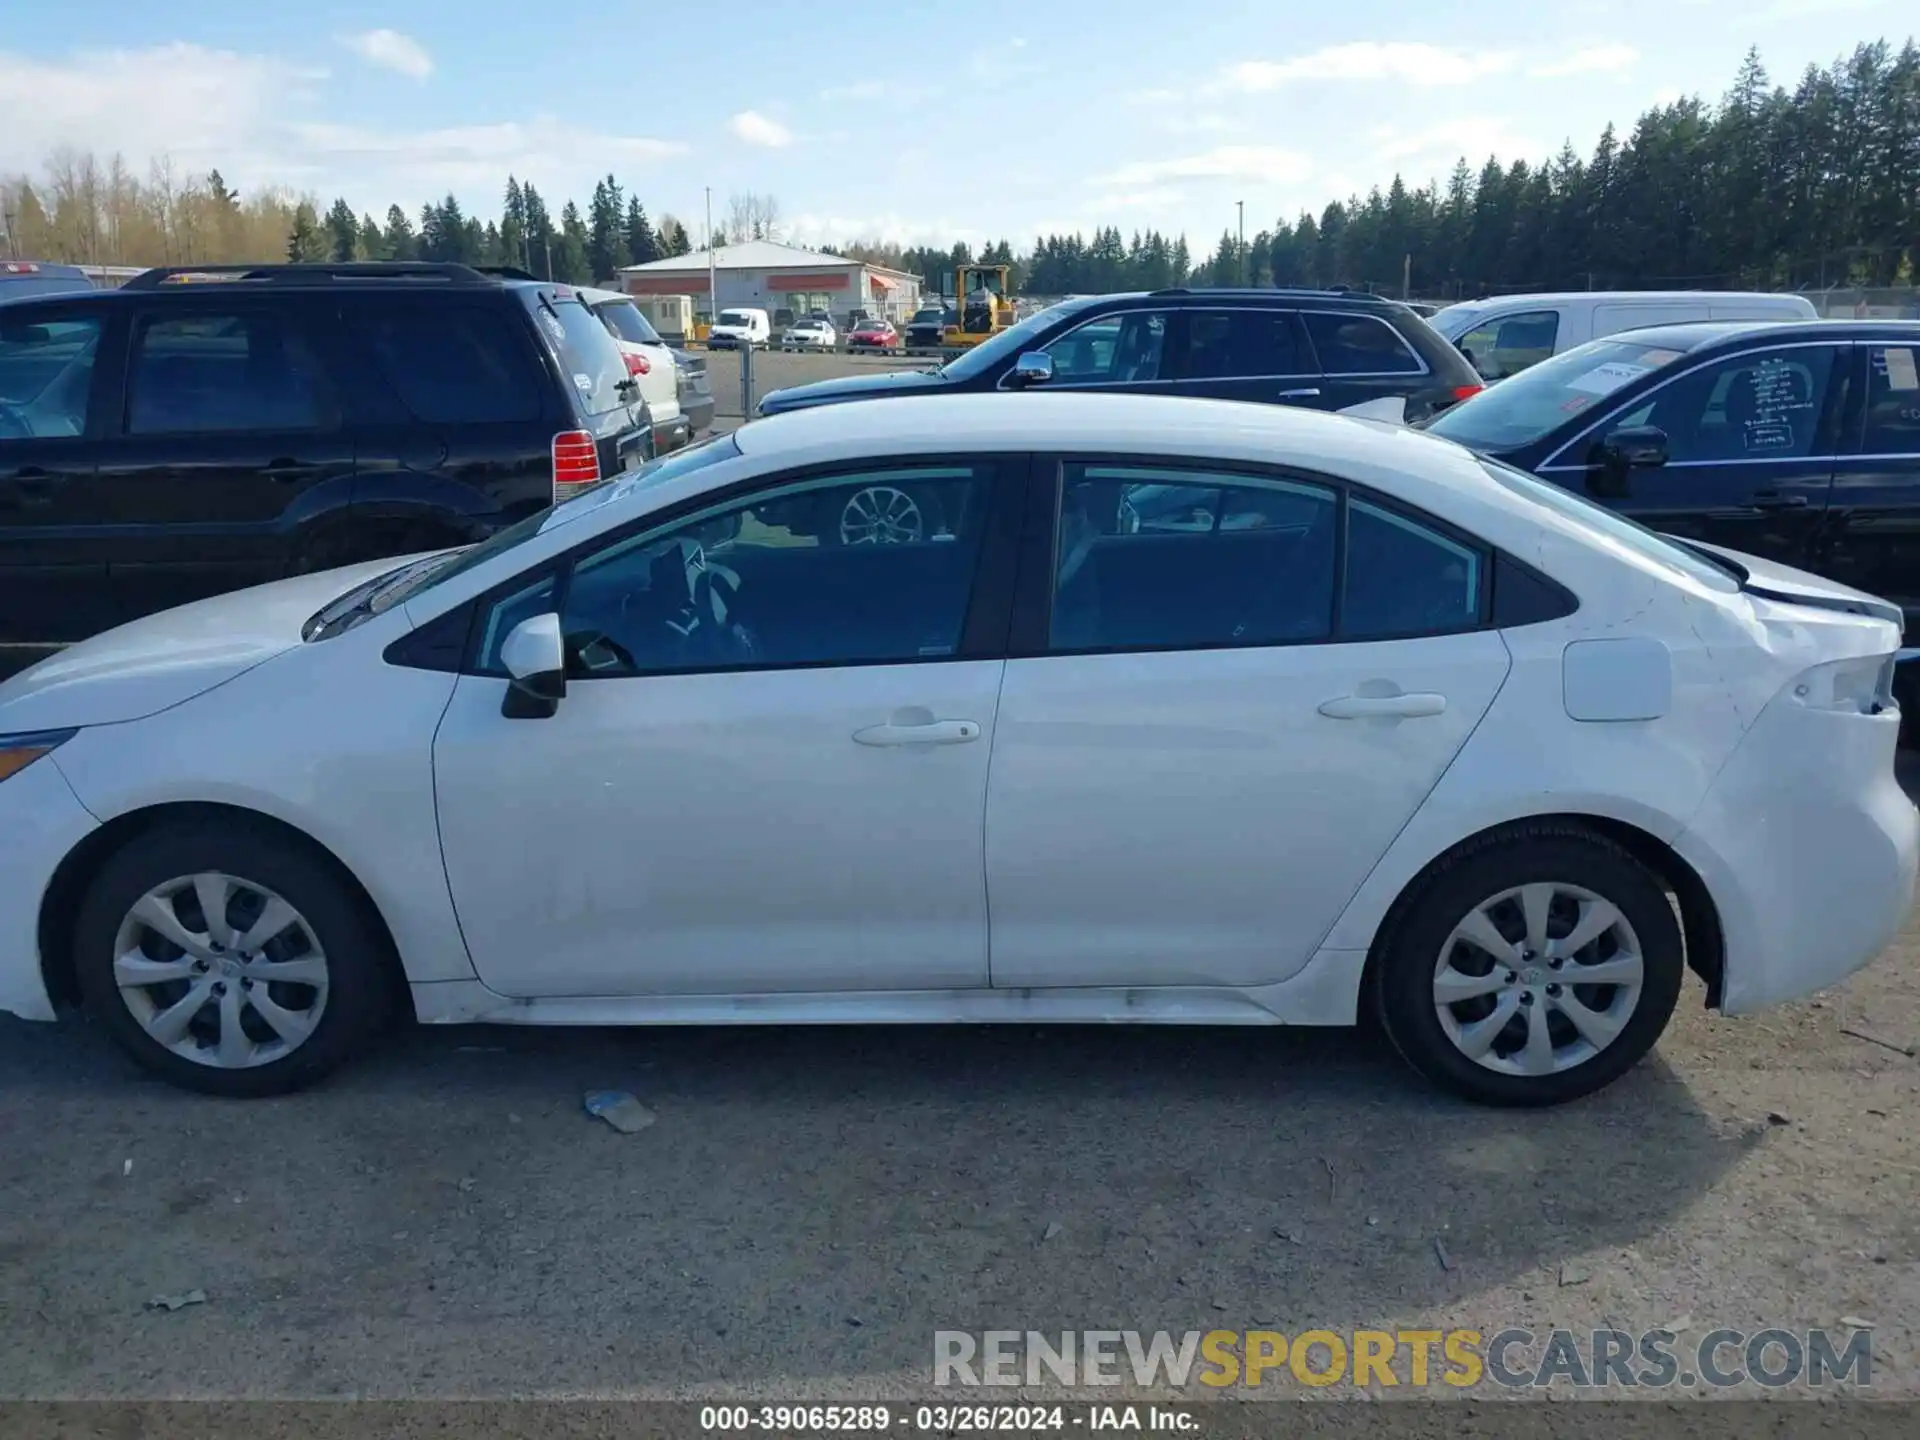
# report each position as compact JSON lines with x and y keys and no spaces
{"x":1447,"y":894}
{"x":361,"y":980}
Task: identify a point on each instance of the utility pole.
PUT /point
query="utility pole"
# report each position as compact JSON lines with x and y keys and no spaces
{"x":1406,"y":276}
{"x":1241,"y":206}
{"x":713,"y":267}
{"x":13,"y":245}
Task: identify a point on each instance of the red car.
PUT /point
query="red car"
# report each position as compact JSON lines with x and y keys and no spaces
{"x":874,"y":335}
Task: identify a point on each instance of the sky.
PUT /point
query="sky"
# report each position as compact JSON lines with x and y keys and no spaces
{"x":901,"y":120}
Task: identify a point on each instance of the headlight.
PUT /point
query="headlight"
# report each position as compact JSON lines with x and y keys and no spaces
{"x":19,"y":751}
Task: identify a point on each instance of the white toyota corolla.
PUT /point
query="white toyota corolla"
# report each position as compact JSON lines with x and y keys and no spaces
{"x":1135,"y":709}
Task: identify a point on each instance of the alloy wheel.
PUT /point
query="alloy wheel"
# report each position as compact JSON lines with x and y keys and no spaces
{"x":881,"y":515}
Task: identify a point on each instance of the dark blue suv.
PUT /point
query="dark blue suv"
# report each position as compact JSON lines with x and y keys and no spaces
{"x":1323,"y":349}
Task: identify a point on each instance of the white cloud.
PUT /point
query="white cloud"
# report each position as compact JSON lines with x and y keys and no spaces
{"x":1132,"y":199}
{"x":263,"y":122}
{"x":876,"y":90}
{"x":213,"y":104}
{"x":1413,"y":62}
{"x":391,"y":50}
{"x":1594,"y":60}
{"x":889,"y":228}
{"x":1227,"y":162}
{"x":1474,"y":137}
{"x":756,"y":129}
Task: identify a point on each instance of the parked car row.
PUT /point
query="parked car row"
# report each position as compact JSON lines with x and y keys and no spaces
{"x":1500,"y":764}
{"x":1361,"y":723}
{"x":168,"y":441}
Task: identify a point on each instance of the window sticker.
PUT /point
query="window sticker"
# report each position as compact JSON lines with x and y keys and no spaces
{"x":1607,"y":378}
{"x":1900,"y":370}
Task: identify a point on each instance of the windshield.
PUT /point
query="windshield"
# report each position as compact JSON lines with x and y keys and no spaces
{"x":1543,"y":397}
{"x":1628,"y":534}
{"x":1455,"y":320}
{"x":735,"y":317}
{"x":1009,"y":342}
{"x":628,"y":323}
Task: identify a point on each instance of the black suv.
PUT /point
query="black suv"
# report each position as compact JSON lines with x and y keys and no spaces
{"x":171,"y":440}
{"x":1323,"y":349}
{"x":1798,"y":443}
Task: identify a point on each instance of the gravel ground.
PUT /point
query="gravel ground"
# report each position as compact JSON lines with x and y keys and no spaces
{"x":811,"y":1205}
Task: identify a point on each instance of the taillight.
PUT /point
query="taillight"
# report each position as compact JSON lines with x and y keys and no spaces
{"x":637,"y":365}
{"x":20,"y":267}
{"x":1466,"y":392}
{"x":576,"y":463}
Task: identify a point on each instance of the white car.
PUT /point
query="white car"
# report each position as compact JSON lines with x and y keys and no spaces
{"x":812,"y":334}
{"x":649,"y":361}
{"x":1401,"y":729}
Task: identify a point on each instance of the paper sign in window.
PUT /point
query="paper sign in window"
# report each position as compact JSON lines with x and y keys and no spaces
{"x":1607,"y":378}
{"x":1901,"y":374}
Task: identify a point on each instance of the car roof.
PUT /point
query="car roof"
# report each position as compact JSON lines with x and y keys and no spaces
{"x":1611,"y":297}
{"x":1700,"y":334}
{"x":1104,"y":423}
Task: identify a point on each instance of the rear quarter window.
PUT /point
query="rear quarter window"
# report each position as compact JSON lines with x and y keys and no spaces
{"x":454,"y":364}
{"x":589,"y":360}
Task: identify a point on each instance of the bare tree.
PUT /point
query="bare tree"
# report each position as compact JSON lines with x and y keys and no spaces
{"x":751,"y":216}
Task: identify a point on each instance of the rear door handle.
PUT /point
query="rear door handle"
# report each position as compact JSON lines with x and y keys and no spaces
{"x":29,"y":485}
{"x":1307,"y":393}
{"x":1773,"y":500}
{"x":1385,"y":707}
{"x":931,"y":732}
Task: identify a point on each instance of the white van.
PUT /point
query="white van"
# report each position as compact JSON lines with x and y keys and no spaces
{"x":737,"y":327}
{"x":1504,"y":335}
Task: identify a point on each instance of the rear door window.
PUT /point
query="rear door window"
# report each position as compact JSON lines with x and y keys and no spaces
{"x":1244,"y":344}
{"x":1893,"y":401}
{"x":227,"y":371}
{"x":453,"y":364}
{"x":589,"y":360}
{"x":1359,"y":345}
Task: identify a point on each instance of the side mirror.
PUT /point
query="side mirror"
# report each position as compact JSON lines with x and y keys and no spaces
{"x":537,"y":664}
{"x":1621,"y":452}
{"x":1033,"y":368}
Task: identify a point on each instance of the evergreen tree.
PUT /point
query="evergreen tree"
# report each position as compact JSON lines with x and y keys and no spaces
{"x":398,"y":241}
{"x":673,"y":237}
{"x":643,"y":246}
{"x":343,"y":233}
{"x":307,"y":244}
{"x":540,"y":237}
{"x":606,"y":231}
{"x":571,"y":261}
{"x":369,"y":244}
{"x":512,"y":247}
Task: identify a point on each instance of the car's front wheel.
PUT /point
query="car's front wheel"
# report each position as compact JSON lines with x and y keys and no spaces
{"x":1532,"y":967}
{"x":229,"y":958}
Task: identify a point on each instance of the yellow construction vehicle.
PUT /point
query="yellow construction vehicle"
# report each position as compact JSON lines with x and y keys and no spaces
{"x":985,"y":308}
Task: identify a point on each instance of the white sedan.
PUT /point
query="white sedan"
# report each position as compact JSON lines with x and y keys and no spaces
{"x":1395,"y":728}
{"x":810,"y":335}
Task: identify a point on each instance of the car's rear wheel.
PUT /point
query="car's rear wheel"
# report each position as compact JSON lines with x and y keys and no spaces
{"x":1531,"y":968}
{"x":229,"y":958}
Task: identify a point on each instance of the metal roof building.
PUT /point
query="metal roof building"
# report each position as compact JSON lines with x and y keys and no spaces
{"x":770,"y":276}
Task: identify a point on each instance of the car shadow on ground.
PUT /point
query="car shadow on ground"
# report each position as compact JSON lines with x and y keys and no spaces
{"x":809,"y":1203}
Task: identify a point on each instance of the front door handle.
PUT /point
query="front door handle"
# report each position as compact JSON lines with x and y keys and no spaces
{"x":1308,"y":393}
{"x":929,"y":732}
{"x":1774,"y":500}
{"x":29,"y":485}
{"x":1385,"y":707}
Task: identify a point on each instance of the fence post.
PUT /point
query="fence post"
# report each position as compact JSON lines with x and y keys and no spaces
{"x":746,"y":380}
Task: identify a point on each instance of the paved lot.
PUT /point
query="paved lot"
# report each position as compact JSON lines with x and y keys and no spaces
{"x":773,"y":371}
{"x":813,"y":1204}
